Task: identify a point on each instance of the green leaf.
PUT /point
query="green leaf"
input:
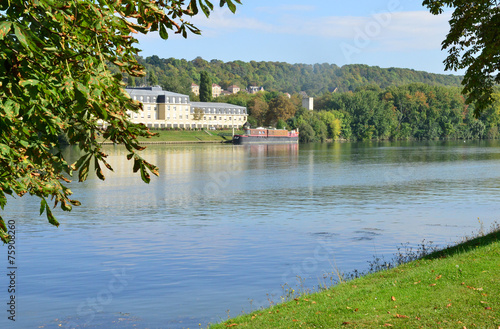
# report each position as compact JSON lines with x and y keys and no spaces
{"x":230,"y":5}
{"x":163,"y":31}
{"x":2,"y":225}
{"x":4,"y":29}
{"x":81,"y":93}
{"x":65,"y":206}
{"x":18,"y":31}
{"x":80,"y":161}
{"x":4,"y":149}
{"x":75,"y":202}
{"x":43,"y":205}
{"x":11,"y":108}
{"x":98,"y":170}
{"x":144,"y":175}
{"x":137,"y":164}
{"x":83,"y":165}
{"x":28,"y":82}
{"x":52,"y":220}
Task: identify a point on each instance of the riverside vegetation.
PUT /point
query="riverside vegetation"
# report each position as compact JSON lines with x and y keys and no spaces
{"x":352,"y":102}
{"x":456,"y":287}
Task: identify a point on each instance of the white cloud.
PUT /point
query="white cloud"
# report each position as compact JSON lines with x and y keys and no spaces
{"x":398,"y":30}
{"x":286,"y":8}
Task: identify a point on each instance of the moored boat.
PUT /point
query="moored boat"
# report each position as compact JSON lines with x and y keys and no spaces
{"x":267,"y":136}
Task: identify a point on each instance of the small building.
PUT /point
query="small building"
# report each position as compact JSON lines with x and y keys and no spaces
{"x":255,"y":89}
{"x":307,"y":102}
{"x":234,"y":89}
{"x":216,"y":90}
{"x":195,"y":89}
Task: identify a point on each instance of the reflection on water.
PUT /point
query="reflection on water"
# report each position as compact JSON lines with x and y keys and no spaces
{"x":224,"y":225}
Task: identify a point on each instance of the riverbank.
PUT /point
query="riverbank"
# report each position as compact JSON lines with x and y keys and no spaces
{"x":453,"y":288}
{"x":187,"y":137}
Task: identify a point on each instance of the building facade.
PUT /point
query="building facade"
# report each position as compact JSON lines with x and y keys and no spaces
{"x":165,"y":109}
{"x":255,"y":89}
{"x":234,"y":89}
{"x":195,"y":89}
{"x":308,"y":103}
{"x":216,"y":90}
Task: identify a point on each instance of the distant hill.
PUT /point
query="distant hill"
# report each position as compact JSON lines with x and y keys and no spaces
{"x":178,"y":74}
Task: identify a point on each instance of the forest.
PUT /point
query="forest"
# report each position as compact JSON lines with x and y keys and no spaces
{"x":352,"y":102}
{"x":177,"y":75}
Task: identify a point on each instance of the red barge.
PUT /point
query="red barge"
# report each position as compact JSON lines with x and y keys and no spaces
{"x":267,"y":136}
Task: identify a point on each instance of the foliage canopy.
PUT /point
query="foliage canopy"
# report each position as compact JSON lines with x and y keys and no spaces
{"x":55,"y":80}
{"x":473,"y":44}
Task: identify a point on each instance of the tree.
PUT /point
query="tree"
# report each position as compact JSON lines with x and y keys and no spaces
{"x":198,"y":114}
{"x":205,"y":87}
{"x":153,"y":79}
{"x":258,"y":108}
{"x":280,"y":107}
{"x":472,"y":44}
{"x":55,"y":61}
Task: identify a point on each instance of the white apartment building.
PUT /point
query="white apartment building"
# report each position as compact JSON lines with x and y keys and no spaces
{"x":165,"y":109}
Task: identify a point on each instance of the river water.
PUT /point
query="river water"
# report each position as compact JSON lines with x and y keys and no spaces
{"x":227,"y":229}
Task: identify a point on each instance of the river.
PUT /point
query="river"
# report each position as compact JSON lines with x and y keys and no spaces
{"x":227,"y":229}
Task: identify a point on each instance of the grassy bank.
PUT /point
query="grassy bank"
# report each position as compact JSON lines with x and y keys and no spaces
{"x":188,"y":136}
{"x":458,"y":287}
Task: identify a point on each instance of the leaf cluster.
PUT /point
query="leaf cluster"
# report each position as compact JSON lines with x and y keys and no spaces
{"x":55,"y":80}
{"x":473,"y":44}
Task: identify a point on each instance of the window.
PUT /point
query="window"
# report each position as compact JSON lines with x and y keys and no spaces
{"x":180,"y":116}
{"x":142,"y":98}
{"x":149,"y":116}
{"x":148,"y":99}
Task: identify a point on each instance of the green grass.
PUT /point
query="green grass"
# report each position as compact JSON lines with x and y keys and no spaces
{"x":458,"y":287}
{"x":189,"y":136}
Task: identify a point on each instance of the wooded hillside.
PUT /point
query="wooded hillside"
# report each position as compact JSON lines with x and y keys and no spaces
{"x":177,"y":75}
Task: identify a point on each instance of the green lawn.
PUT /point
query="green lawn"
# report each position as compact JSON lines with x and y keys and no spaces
{"x":190,"y":136}
{"x":458,"y":287}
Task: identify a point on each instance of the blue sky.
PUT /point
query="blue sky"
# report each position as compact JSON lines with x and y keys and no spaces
{"x":385,"y":33}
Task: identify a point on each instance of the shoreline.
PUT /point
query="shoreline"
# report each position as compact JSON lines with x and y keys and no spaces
{"x":171,"y":142}
{"x":455,"y":287}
